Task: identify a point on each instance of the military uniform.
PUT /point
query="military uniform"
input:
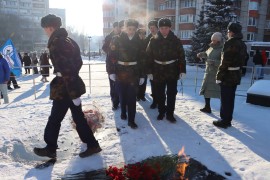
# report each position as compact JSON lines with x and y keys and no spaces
{"x":166,"y":62}
{"x":229,"y":73}
{"x":110,"y":57}
{"x":128,"y":69}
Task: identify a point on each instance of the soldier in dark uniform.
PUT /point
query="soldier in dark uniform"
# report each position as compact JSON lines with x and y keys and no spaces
{"x":109,"y":57}
{"x":153,"y":27}
{"x":167,"y":64}
{"x":229,"y":73}
{"x":65,"y":89}
{"x":127,"y":71}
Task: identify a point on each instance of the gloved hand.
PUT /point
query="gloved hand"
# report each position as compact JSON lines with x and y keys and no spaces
{"x":112,"y":77}
{"x":77,"y":101}
{"x":218,"y":81}
{"x":182,"y":75}
{"x":150,"y":76}
{"x":141,"y":81}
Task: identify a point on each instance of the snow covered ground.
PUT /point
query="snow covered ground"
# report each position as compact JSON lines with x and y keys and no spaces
{"x":242,"y":150}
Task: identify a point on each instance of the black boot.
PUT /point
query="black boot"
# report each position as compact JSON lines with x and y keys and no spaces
{"x":153,"y":105}
{"x":160,"y":116}
{"x":132,"y":124}
{"x":170,"y":118}
{"x":206,"y":110}
{"x":222,"y":124}
{"x":123,"y":116}
{"x":90,"y":151}
{"x":45,"y":152}
{"x":10,"y":88}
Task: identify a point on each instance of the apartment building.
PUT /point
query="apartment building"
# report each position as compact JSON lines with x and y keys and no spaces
{"x":254,"y":15}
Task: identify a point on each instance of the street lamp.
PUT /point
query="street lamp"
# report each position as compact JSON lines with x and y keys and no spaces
{"x":89,"y":37}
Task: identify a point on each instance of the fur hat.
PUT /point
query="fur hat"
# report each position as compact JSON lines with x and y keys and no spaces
{"x":217,"y":36}
{"x":132,"y":22}
{"x":115,"y":24}
{"x":164,"y":22}
{"x":234,"y":27}
{"x":51,"y":20}
{"x":152,"y":23}
{"x":121,"y":23}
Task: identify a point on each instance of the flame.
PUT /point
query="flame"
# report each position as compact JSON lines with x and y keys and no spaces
{"x":183,"y":163}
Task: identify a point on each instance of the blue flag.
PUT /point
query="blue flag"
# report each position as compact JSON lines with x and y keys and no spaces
{"x":10,"y":53}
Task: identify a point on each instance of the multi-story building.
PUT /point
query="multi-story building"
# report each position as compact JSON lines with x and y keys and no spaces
{"x":254,"y":15}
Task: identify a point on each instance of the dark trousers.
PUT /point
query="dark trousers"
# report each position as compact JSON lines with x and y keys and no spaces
{"x":58,"y":112}
{"x":27,"y":70}
{"x":142,"y":89}
{"x":227,"y":102}
{"x":114,"y":93}
{"x":127,"y":95}
{"x":35,"y":70}
{"x":154,"y":91}
{"x":13,"y":80}
{"x":171,"y":96}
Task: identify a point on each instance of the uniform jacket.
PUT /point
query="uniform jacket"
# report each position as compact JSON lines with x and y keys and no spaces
{"x":106,"y":48}
{"x":4,"y":71}
{"x":165,"y":49}
{"x":233,"y":56}
{"x":66,"y":59}
{"x":125,"y":50}
{"x":27,"y":60}
{"x":257,"y":59}
{"x":209,"y":87}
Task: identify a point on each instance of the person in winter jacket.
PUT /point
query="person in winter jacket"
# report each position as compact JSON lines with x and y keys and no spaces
{"x":153,"y":28}
{"x":213,"y":55}
{"x":258,"y":62}
{"x":44,"y":66}
{"x":106,"y":48}
{"x":126,"y":69}
{"x":229,"y":72}
{"x":27,"y":62}
{"x":4,"y":78}
{"x":166,"y":65}
{"x":65,"y":89}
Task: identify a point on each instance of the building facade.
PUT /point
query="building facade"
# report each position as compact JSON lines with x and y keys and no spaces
{"x":254,"y":15}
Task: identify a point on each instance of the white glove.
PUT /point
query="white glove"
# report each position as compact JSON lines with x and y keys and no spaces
{"x":77,"y":101}
{"x":141,"y":81}
{"x":150,"y":76}
{"x":182,"y":75}
{"x":112,"y":77}
{"x":218,"y":81}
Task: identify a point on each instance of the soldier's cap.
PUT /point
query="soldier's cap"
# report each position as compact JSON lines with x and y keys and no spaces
{"x":121,"y":23}
{"x":152,"y":23}
{"x":234,"y":27}
{"x":51,"y":20}
{"x":115,"y":24}
{"x":132,"y":22}
{"x":164,"y":22}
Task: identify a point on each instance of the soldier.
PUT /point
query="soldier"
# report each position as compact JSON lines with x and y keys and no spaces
{"x":167,"y":64}
{"x":153,"y":27}
{"x":65,"y":89}
{"x":109,"y":57}
{"x":127,"y":71}
{"x":229,"y":72}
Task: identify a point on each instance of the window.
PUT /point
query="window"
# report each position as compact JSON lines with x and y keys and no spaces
{"x":186,"y":34}
{"x":187,"y":18}
{"x":250,"y":36}
{"x":167,"y":5}
{"x":188,"y":3}
{"x":253,"y":5}
{"x":161,"y":7}
{"x":252,"y":21}
{"x":108,"y":13}
{"x":267,"y":24}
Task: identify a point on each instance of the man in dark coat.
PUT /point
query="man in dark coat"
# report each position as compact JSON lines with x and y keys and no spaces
{"x":44,"y":66}
{"x":166,"y":64}
{"x":65,"y":89}
{"x":127,"y":71}
{"x":229,"y":73}
{"x":27,"y":62}
{"x":106,"y":48}
{"x":153,"y":27}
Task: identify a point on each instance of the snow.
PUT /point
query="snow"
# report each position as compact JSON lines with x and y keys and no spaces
{"x":242,"y":150}
{"x":260,"y":88}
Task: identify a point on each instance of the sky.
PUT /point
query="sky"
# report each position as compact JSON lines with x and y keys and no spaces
{"x":83,"y":15}
{"x":241,"y":150}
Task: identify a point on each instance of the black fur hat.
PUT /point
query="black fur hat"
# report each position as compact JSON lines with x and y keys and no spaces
{"x":121,"y":23}
{"x":115,"y":24}
{"x":51,"y":20}
{"x":234,"y":27}
{"x":152,"y":23}
{"x":164,"y":22}
{"x":132,"y":22}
